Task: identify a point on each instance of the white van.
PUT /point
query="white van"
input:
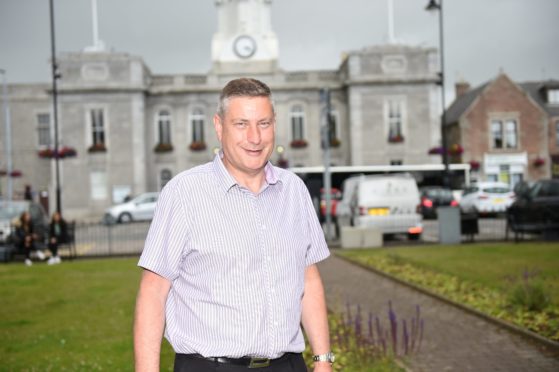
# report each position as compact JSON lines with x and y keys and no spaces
{"x":388,"y":202}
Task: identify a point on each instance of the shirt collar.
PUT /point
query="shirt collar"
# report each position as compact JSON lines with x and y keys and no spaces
{"x":227,"y":181}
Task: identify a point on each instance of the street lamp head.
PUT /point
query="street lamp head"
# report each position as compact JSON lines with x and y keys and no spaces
{"x":432,"y":6}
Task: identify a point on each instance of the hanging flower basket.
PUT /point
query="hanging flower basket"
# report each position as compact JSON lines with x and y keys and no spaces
{"x":197,"y":146}
{"x":298,"y":144}
{"x":538,"y":162}
{"x":396,"y":139}
{"x":474,"y":165}
{"x":67,"y":152}
{"x":283,"y":163}
{"x":163,"y":147}
{"x":63,"y":152}
{"x":455,"y":149}
{"x":14,"y":174}
{"x":436,"y":150}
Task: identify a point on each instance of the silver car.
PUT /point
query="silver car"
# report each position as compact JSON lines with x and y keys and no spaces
{"x":141,"y":208}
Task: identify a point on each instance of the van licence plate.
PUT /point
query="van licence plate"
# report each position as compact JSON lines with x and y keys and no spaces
{"x":379,"y":211}
{"x":498,"y":200}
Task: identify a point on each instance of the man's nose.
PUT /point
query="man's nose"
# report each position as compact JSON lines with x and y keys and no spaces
{"x":253,"y":134}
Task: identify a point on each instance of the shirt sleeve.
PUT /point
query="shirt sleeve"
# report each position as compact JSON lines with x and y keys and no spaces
{"x":166,"y":240}
{"x":318,"y":249}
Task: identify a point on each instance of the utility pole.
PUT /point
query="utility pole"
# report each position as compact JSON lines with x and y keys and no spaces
{"x":8,"y":139}
{"x":327,"y":179}
{"x":55,"y":77}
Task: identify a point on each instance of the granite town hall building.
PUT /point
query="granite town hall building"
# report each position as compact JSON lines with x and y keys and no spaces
{"x":133,"y":129}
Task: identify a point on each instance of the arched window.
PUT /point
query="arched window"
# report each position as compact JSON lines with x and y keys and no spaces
{"x":297,"y":120}
{"x":197,"y":120}
{"x":164,"y":127}
{"x":164,"y":177}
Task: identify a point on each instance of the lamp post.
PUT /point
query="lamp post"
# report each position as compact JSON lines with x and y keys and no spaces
{"x":55,"y":77}
{"x":438,"y":6}
{"x":8,"y":134}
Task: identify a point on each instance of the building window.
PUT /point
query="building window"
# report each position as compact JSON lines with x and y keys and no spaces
{"x":164,"y":126}
{"x":163,"y":122}
{"x":504,"y":134}
{"x":43,"y":130}
{"x":97,"y":130}
{"x":557,"y":132}
{"x":553,"y":96}
{"x":98,"y":183}
{"x":297,"y":120}
{"x":395,"y":121}
{"x":197,"y":122}
{"x":396,"y":162}
{"x":164,"y":177}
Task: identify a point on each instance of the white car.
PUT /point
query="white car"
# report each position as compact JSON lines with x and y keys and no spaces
{"x":141,"y":208}
{"x":486,"y":197}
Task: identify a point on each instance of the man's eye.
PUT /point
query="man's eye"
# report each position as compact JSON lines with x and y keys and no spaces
{"x":240,"y":124}
{"x":265,"y":124}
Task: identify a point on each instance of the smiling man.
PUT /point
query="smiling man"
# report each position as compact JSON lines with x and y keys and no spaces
{"x":230,"y":259}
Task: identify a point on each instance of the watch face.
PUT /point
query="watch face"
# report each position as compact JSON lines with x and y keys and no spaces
{"x":244,"y":46}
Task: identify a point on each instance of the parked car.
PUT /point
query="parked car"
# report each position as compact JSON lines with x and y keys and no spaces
{"x":140,"y":208}
{"x":432,"y":197}
{"x":536,"y":208}
{"x":10,"y":211}
{"x":388,"y":202}
{"x":487,"y":198}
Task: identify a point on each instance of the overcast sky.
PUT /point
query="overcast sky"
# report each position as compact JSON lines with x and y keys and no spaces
{"x":482,"y":37}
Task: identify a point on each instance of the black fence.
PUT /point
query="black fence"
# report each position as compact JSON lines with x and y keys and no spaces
{"x":98,"y":240}
{"x":95,"y":240}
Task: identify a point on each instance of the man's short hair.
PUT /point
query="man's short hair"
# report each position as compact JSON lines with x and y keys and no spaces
{"x":243,"y":87}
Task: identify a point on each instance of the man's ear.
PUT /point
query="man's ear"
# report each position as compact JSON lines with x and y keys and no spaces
{"x":218,"y":126}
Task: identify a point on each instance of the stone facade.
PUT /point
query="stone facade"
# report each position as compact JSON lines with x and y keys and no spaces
{"x":133,"y":129}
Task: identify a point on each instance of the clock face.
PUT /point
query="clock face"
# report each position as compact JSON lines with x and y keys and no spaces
{"x":244,"y":46}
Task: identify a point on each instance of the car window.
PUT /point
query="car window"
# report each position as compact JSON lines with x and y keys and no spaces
{"x":470,"y":190}
{"x":496,"y":190}
{"x":554,"y":189}
{"x":546,"y":189}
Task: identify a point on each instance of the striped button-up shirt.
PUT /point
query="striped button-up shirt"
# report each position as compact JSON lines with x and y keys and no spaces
{"x":236,"y":261}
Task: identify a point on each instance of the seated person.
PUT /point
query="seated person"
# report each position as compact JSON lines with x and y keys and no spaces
{"x":58,"y":234}
{"x":26,"y":238}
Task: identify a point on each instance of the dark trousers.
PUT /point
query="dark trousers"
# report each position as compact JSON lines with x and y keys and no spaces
{"x":184,"y":363}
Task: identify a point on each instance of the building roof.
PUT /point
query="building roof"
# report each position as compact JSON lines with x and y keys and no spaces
{"x":536,"y":90}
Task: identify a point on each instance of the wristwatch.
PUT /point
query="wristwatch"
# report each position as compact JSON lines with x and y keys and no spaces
{"x":328,"y":357}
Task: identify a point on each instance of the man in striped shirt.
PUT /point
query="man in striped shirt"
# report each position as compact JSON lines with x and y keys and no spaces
{"x":230,"y":258}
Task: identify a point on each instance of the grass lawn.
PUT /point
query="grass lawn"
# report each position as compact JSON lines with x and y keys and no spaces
{"x":73,"y":316}
{"x":78,"y":316}
{"x":481,"y":275}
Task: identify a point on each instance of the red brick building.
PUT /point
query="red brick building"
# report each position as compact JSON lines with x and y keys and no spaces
{"x":508,"y":131}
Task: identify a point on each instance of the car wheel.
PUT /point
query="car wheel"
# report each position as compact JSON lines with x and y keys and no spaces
{"x":125,"y":217}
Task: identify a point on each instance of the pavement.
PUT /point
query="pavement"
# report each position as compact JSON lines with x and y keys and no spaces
{"x":453,"y":340}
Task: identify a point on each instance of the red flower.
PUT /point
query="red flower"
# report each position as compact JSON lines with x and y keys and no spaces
{"x":538,"y":162}
{"x":474,"y":164}
{"x":298,"y":143}
{"x":197,"y":146}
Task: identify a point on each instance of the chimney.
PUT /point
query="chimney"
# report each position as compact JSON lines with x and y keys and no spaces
{"x":461,"y":88}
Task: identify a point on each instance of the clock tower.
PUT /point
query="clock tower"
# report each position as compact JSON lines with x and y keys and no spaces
{"x":244,"y":41}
